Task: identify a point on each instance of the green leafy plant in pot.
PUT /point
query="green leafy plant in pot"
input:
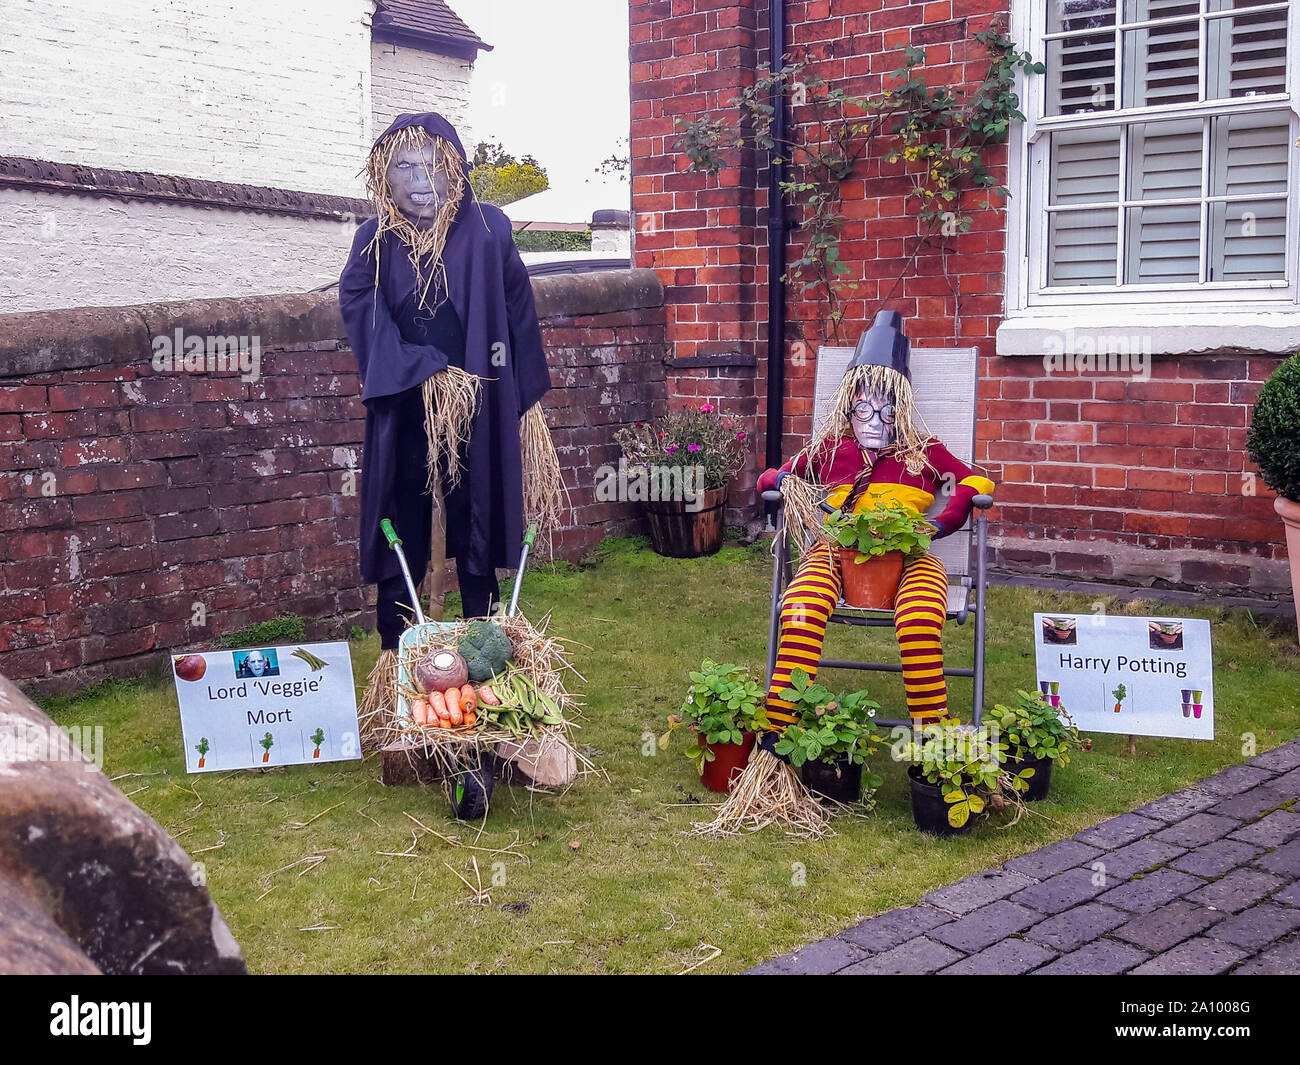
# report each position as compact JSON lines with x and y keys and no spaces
{"x":1273,"y":445}
{"x":957,"y":773}
{"x":723,"y":710}
{"x":874,"y":545}
{"x":1038,"y":736}
{"x":831,"y":740}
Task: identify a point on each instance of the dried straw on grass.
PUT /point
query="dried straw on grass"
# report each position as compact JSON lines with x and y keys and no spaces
{"x":546,"y":499}
{"x":379,"y":701}
{"x":450,"y":402}
{"x":768,"y":792}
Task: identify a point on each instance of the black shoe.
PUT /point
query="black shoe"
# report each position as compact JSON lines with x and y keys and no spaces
{"x":471,"y":794}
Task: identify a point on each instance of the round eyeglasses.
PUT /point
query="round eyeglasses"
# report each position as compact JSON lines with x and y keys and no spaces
{"x":865,"y":412}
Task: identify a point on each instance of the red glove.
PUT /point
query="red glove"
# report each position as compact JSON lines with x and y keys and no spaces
{"x":767,"y":480}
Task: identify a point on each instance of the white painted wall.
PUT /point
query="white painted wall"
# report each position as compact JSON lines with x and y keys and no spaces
{"x":77,"y":251}
{"x":406,"y":80}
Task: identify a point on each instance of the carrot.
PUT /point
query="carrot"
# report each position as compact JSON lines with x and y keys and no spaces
{"x":420,"y":711}
{"x":471,"y":718}
{"x":487,"y":696}
{"x":438,"y":705}
{"x":468,"y":700}
{"x":452,"y":696}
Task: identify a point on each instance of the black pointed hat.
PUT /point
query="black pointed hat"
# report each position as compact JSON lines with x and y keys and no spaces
{"x":884,"y":344}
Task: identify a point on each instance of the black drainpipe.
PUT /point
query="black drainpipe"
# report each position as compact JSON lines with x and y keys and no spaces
{"x":776,"y":237}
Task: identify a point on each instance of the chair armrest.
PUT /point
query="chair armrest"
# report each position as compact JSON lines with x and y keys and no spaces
{"x":772,"y":495}
{"x":982,"y":501}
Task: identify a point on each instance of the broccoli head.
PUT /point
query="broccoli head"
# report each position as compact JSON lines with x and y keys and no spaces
{"x":485,"y":649}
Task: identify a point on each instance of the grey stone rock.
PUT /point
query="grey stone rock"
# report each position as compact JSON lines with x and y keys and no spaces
{"x":888,"y":930}
{"x":1138,"y":857}
{"x":1103,"y":957}
{"x":985,"y":926}
{"x":1118,"y":831}
{"x":1167,"y":925}
{"x":1011,"y":957}
{"x":1217,"y":858}
{"x":1279,"y":759}
{"x":1280,"y":960}
{"x":1285,"y":860}
{"x":1179,"y":804}
{"x":1255,"y":928}
{"x":1076,"y":926}
{"x":101,"y":869}
{"x":1238,"y":890}
{"x":1272,"y":830}
{"x":31,"y":944}
{"x":1199,"y":957}
{"x":1059,"y":892}
{"x":1055,"y":858}
{"x":1144,"y":894}
{"x":1235,"y":779}
{"x":977,"y":890}
{"x":915,"y":957}
{"x":1197,"y":829}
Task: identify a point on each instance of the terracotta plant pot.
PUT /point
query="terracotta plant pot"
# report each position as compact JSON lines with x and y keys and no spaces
{"x":678,"y":532}
{"x":729,"y":761}
{"x":874,"y":583}
{"x":1289,"y":511}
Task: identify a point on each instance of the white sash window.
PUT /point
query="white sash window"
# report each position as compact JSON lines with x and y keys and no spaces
{"x":1158,"y":165}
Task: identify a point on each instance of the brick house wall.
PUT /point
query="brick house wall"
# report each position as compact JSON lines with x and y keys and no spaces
{"x":1107,"y":478}
{"x":144,"y":511}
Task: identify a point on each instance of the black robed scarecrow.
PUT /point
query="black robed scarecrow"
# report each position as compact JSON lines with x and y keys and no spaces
{"x":439,"y":311}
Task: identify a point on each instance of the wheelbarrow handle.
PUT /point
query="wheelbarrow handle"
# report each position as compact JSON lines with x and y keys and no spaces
{"x":390,"y":534}
{"x":529,"y":537}
{"x":395,"y":542}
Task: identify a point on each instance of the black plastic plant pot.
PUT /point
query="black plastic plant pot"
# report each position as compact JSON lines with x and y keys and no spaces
{"x":1040,"y":782}
{"x":822,"y":778}
{"x":929,"y":811}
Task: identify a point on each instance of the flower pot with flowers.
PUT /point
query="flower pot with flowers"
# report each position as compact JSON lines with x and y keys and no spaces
{"x":723,"y":710}
{"x":830,"y":741}
{"x":1273,"y":445}
{"x":678,"y":466}
{"x":1038,"y":736}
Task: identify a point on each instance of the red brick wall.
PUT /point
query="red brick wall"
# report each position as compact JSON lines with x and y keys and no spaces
{"x":127,"y":497}
{"x":1182,"y":431}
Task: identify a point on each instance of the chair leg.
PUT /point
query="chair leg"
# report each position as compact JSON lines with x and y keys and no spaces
{"x":778,"y":590}
{"x":981,"y":537}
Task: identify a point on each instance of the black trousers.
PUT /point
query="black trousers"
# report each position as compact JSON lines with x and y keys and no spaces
{"x":478,"y":594}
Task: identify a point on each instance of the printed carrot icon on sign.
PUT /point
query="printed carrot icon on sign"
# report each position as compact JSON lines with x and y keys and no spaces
{"x":203,"y":748}
{"x":1120,"y":693}
{"x":317,"y":737}
{"x":267,"y":743}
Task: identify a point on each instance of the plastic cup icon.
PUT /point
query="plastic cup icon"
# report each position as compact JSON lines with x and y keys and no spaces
{"x":1055,"y":688}
{"x":1044,"y":686}
{"x":1055,"y":699}
{"x":1187,"y":709}
{"x":1187,"y":695}
{"x":1196,"y":710}
{"x":1196,"y":695}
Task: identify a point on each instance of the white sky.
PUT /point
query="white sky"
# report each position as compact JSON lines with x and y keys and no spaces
{"x":555,"y":84}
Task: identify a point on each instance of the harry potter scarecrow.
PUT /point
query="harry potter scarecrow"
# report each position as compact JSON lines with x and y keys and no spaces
{"x":872,"y":450}
{"x":439,"y":311}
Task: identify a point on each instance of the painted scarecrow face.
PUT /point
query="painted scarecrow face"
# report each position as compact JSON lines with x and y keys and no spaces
{"x":872,"y":417}
{"x":417,"y":187}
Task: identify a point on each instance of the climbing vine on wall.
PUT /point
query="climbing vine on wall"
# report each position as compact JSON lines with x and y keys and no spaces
{"x":938,"y":137}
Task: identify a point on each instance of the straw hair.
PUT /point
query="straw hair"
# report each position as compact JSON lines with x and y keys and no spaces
{"x":912,"y":434}
{"x":425,"y":244}
{"x":804,"y":520}
{"x":379,"y":702}
{"x":768,"y":792}
{"x":451,"y":399}
{"x":546,"y":499}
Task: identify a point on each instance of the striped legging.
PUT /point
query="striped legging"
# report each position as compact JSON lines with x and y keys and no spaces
{"x":919,"y":611}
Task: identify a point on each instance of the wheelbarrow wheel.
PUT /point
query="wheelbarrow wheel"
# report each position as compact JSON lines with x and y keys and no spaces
{"x":471,"y":793}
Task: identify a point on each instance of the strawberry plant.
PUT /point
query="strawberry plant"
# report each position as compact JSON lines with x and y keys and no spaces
{"x":830,"y":728}
{"x":1033,"y":728}
{"x":722,"y":705}
{"x":875,"y":532}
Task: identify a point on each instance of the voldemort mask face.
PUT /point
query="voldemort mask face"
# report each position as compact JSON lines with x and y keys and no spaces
{"x":417,"y":188}
{"x":873,"y":420}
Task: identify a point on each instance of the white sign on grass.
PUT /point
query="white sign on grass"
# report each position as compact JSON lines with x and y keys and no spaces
{"x":1137,"y":676}
{"x":258,"y":707}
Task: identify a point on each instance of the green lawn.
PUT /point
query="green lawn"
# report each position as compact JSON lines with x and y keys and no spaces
{"x":604,"y":878}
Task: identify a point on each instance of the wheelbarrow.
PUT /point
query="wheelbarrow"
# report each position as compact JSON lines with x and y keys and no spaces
{"x":472,"y":787}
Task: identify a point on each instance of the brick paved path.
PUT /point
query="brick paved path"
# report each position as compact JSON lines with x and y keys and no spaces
{"x":1204,"y":880}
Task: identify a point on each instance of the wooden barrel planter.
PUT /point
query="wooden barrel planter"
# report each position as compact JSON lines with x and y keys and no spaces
{"x":679,"y":532}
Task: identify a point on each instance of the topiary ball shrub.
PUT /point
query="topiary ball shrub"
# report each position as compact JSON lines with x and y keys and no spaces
{"x":1273,"y":442}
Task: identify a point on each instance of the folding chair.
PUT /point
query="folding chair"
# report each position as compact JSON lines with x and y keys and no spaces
{"x":943,"y":382}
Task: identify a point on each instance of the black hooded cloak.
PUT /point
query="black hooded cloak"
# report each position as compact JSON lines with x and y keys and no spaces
{"x":488,"y":326}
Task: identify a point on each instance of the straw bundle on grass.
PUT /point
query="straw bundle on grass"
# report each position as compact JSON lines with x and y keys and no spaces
{"x":379,"y":702}
{"x":768,"y":792}
{"x":546,"y":499}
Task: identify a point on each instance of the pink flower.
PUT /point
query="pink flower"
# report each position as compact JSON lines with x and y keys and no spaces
{"x":706,"y":408}
{"x":740,"y":435}
{"x":692,"y":447}
{"x":670,"y":448}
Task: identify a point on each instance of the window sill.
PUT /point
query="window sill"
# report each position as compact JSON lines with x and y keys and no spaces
{"x":1102,"y":328}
